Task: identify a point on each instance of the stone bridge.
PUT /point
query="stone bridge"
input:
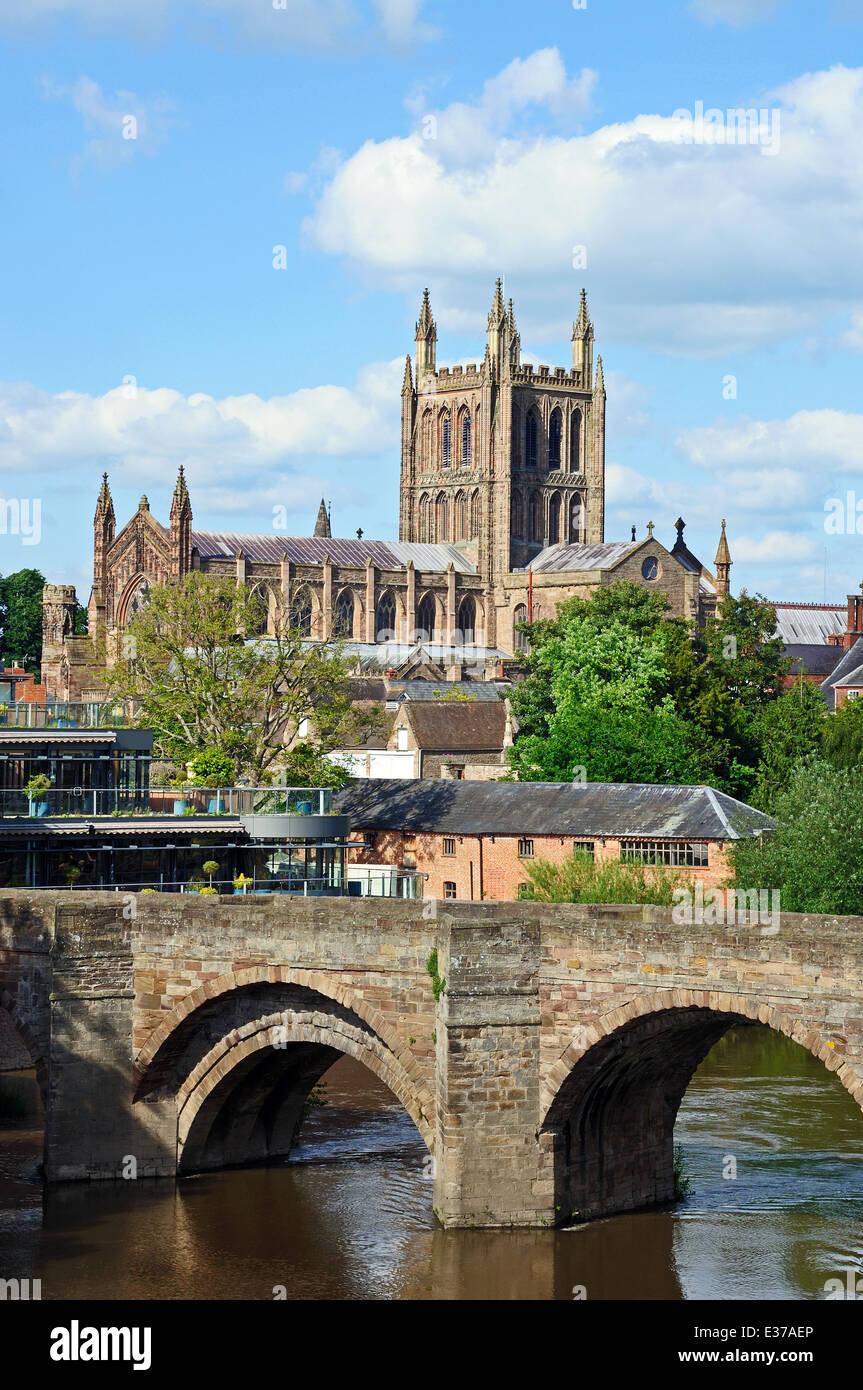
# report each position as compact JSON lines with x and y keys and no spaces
{"x":186,"y":1032}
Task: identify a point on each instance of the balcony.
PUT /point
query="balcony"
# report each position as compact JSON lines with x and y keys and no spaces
{"x":234,"y":803}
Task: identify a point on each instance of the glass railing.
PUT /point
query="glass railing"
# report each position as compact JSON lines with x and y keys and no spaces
{"x":56,"y":802}
{"x":399,"y":885}
{"x":70,"y":714}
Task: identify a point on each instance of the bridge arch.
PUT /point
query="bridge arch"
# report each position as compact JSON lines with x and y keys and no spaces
{"x":30,"y":1041}
{"x":612,"y":1097}
{"x":237,"y":1058}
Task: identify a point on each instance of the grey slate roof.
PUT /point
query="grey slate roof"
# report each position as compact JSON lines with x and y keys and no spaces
{"x":817,"y":660}
{"x":311,"y":550}
{"x":549,"y":808}
{"x":458,"y":726}
{"x":850,"y":662}
{"x":811,"y":624}
{"x":477,"y":690}
{"x":582,"y":557}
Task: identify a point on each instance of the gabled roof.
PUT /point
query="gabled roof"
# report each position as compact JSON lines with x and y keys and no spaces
{"x":815,"y":660}
{"x":810,"y":624}
{"x":312,"y":550}
{"x":583,"y":557}
{"x":457,"y":726}
{"x":852,"y":680}
{"x":438,"y":690}
{"x":550,"y":808}
{"x":850,"y":663}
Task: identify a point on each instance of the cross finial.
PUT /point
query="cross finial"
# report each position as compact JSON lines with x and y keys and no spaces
{"x":650,"y":526}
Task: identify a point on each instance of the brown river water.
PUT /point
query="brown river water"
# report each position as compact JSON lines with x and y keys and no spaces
{"x":349,"y":1215}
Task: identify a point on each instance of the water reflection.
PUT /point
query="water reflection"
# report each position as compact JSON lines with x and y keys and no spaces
{"x":349,"y":1216}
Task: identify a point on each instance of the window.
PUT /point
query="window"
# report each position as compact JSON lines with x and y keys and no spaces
{"x":301,"y":612}
{"x":650,"y":567}
{"x":530,"y":441}
{"x":446,"y":441}
{"x":386,"y":617}
{"x":555,"y":430}
{"x":465,"y":440}
{"x":525,"y":849}
{"x":520,"y":638}
{"x":575,"y":442}
{"x":576,"y":520}
{"x":533,"y":513}
{"x":474,"y":516}
{"x":524,"y":891}
{"x":442,"y":518}
{"x":343,"y":615}
{"x":460,"y":517}
{"x":449,"y":889}
{"x":517,"y":515}
{"x":467,"y":620}
{"x":448,"y":845}
{"x":426,"y":618}
{"x":427,"y":440}
{"x":554,"y":519}
{"x":852,"y":695}
{"x":678,"y":853}
{"x":426,"y":523}
{"x":584,"y":848}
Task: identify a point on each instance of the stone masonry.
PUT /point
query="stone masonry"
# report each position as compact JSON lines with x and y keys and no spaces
{"x":184,"y":1034}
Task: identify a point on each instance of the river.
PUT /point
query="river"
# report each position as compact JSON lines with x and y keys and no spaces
{"x":771,"y":1142}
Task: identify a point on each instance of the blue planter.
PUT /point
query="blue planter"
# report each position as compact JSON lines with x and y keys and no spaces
{"x":180,"y":808}
{"x":215,"y":805}
{"x":41,"y":808}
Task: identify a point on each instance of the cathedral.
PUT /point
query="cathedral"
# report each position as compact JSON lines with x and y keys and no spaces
{"x":501,"y":517}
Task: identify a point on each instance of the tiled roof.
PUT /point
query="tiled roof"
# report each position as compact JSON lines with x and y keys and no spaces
{"x":457,"y":726}
{"x":550,"y":808}
{"x":850,"y":662}
{"x":815,"y":660}
{"x":582,"y":557}
{"x":810,"y":624}
{"x":312,"y":550}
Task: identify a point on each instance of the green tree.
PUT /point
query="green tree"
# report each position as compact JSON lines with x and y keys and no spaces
{"x":579,"y":880}
{"x":842,"y":744}
{"x":21,"y":617}
{"x":199,"y":685}
{"x":813,"y":856}
{"x":788,"y":730}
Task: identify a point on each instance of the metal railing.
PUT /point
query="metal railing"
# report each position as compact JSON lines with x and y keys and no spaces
{"x":402,"y":885}
{"x":65,"y":714}
{"x":161,"y":802}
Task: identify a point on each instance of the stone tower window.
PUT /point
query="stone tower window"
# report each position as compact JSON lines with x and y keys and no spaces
{"x":554,"y":519}
{"x":425,"y":519}
{"x":530,"y":441}
{"x":446,"y":441}
{"x":460,"y":517}
{"x":555,"y":432}
{"x":576,"y":521}
{"x":343,"y":615}
{"x":426,"y":618}
{"x":517,"y":515}
{"x":474,"y":516}
{"x":386,"y":618}
{"x":442,"y":510}
{"x":467,"y":620}
{"x":519,"y":617}
{"x":465,"y":439}
{"x":533,"y":515}
{"x":575,"y":442}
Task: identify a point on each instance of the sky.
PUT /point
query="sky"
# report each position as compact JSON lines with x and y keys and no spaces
{"x":218,"y":218}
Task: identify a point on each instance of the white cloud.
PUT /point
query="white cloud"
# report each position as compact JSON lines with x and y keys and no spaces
{"x":774,"y":547}
{"x":239,"y":451}
{"x":736,"y":13}
{"x":322,"y":25}
{"x":852,"y":338}
{"x":688,"y":246}
{"x":121,"y":126}
{"x":819,"y":441}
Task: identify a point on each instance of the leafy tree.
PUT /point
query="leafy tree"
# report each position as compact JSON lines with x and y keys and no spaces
{"x":212,"y":768}
{"x":788,"y":730}
{"x":842,"y":744}
{"x":813,"y":856}
{"x":579,"y":880}
{"x":743,"y":652}
{"x":21,"y":617}
{"x":612,"y":745}
{"x":199,"y":685}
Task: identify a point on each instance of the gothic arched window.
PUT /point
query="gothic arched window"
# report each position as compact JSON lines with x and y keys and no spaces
{"x":467,"y":620}
{"x":301,"y":612}
{"x":446,"y":440}
{"x":343,"y":615}
{"x":426,"y":527}
{"x":531,"y":435}
{"x":517,"y":515}
{"x":427,"y":440}
{"x":442,"y":518}
{"x":460,"y":517}
{"x":576,"y":520}
{"x":386,"y":618}
{"x":518,"y":618}
{"x":533,"y":517}
{"x":474,"y":517}
{"x":426,"y":618}
{"x":259,"y":611}
{"x":465,"y":439}
{"x":555,"y":431}
{"x":554,"y":519}
{"x":575,"y":442}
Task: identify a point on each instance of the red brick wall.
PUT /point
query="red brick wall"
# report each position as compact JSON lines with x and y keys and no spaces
{"x":495,"y":872}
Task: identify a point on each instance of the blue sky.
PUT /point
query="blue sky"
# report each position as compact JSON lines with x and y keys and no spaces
{"x":393,"y":144}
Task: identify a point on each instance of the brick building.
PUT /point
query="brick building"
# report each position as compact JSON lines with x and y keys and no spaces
{"x":474,"y":840}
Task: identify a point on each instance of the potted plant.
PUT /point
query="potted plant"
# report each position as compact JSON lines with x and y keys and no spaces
{"x":213,"y":768}
{"x":73,"y":873}
{"x":38,"y":783}
{"x":195,"y":885}
{"x":241,"y":883}
{"x":210,"y":867}
{"x":181,"y":803}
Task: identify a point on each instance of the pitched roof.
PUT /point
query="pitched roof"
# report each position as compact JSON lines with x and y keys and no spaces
{"x":312,"y":550}
{"x":816,"y":660}
{"x":812,"y":624}
{"x":583,"y":557}
{"x":846,"y":667}
{"x":550,"y":808}
{"x":457,"y":726}
{"x":477,"y":690}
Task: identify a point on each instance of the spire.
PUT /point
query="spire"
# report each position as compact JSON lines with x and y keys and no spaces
{"x":104,"y":500}
{"x":181,"y":506}
{"x":426,"y":339}
{"x":408,"y":383}
{"x":582,"y":341}
{"x":723,"y":563}
{"x":497,"y":329}
{"x":322,"y":525}
{"x":105,"y":508}
{"x":514,"y":337}
{"x":599,"y":383}
{"x":498,"y":314}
